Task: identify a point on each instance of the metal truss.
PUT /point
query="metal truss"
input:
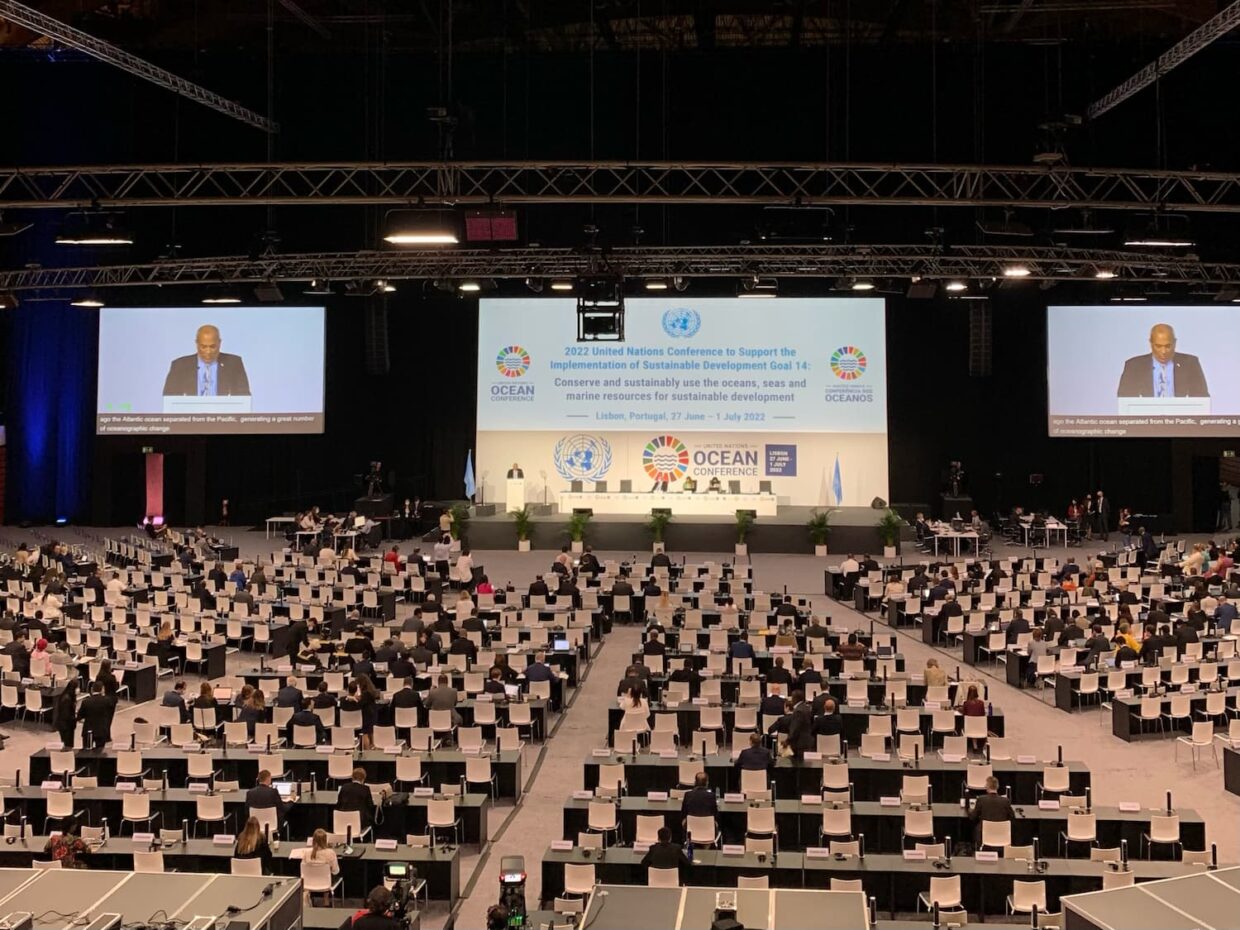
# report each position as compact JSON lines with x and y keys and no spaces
{"x":897,"y":261}
{"x":727,"y":183}
{"x":1226,"y":20}
{"x":107,"y":52}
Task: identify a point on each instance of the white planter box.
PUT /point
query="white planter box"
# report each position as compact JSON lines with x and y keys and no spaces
{"x":820,"y":551}
{"x":889,"y":552}
{"x":742,"y":549}
{"x":657,"y":547}
{"x":523,"y":545}
{"x":578,"y":545}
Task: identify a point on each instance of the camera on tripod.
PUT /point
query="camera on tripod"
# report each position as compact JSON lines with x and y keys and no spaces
{"x":401,"y":879}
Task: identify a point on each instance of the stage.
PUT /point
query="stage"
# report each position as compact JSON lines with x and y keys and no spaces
{"x":852,"y":530}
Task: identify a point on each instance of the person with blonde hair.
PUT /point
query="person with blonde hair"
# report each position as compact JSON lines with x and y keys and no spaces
{"x":321,"y":852}
{"x":252,"y":844}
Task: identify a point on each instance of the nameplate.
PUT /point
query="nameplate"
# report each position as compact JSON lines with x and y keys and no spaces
{"x":326,"y":750}
{"x":1048,"y":805}
{"x":986,"y":855}
{"x":656,"y":795}
{"x":471,"y":750}
{"x":855,"y":702}
{"x":1127,"y":665}
{"x":889,"y":801}
{"x":881,"y":757}
{"x":484,"y":698}
{"x":813,"y":757}
{"x":1187,"y":689}
{"x":391,"y":750}
{"x":126,"y":786}
{"x":733,"y":849}
{"x":197,"y":787}
{"x":583,"y":795}
{"x":668,"y":754}
{"x":52,"y":785}
{"x":1027,"y":760}
{"x":1124,"y":693}
{"x":601,"y":753}
{"x":423,"y":792}
{"x":54,"y":747}
{"x":734,"y":797}
{"x":952,"y":757}
{"x":641,"y":847}
{"x":562,"y":845}
{"x":223,"y":839}
{"x":140,"y":838}
{"x":387,"y":845}
{"x":817,"y":852}
{"x":811,"y":799}
{"x":1130,"y":807}
{"x":284,"y":669}
{"x":914,"y":855}
{"x":308,"y":669}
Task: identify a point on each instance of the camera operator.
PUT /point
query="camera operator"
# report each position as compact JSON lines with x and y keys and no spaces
{"x":376,"y":915}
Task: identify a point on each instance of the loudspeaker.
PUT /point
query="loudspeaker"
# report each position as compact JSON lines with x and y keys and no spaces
{"x":588,"y":511}
{"x":655,"y":511}
{"x":878,"y":504}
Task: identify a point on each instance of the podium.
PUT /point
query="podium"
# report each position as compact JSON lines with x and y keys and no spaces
{"x":1163,"y":406}
{"x":192,"y":403}
{"x":516,"y":493}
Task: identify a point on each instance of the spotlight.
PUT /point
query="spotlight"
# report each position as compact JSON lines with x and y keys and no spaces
{"x":421,"y":227}
{"x":318,"y":287}
{"x":220,"y":295}
{"x":469,"y":287}
{"x":88,"y":300}
{"x":385,"y":287}
{"x":561,"y":284}
{"x":93,"y":228}
{"x":756,"y":286}
{"x":1161,"y":231}
{"x":268,"y":292}
{"x":862,"y":284}
{"x":1016,"y":271}
{"x":1104,"y":274}
{"x":656,"y":284}
{"x":956,"y":287}
{"x":8,"y":301}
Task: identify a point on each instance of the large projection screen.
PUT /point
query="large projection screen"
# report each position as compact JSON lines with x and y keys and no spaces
{"x":210,"y":370}
{"x":745,"y":390}
{"x":1116,"y":371}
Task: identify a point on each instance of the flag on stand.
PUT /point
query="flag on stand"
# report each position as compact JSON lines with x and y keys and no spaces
{"x":470,"y":488}
{"x":837,"y":485}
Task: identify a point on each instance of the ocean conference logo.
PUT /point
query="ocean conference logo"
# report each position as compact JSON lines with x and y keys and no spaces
{"x":681,"y":322}
{"x":848,"y":363}
{"x":581,"y":457}
{"x":665,"y":458}
{"x":512,"y":361}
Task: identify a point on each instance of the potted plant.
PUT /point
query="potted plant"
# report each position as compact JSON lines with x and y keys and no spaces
{"x":577,"y":529}
{"x":657,"y":524}
{"x":460,"y":524}
{"x":819,"y":526}
{"x":889,"y":525}
{"x":523,"y":520}
{"x":744,"y":522}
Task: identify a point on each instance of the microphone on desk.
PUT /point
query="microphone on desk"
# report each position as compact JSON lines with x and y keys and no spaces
{"x":269,"y":744}
{"x":22,"y":834}
{"x":1033,"y":917}
{"x":1169,"y":809}
{"x":314,"y":783}
{"x":860,"y":845}
{"x":1213,"y":857}
{"x":133,"y":741}
{"x":947,"y":850}
{"x":184,"y":832}
{"x":1123,"y":854}
{"x":1088,"y":799}
{"x":1059,"y":753}
{"x":934,"y":916}
{"x":165,"y":780}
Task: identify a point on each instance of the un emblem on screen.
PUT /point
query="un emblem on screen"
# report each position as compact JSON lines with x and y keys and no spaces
{"x":582,"y":458}
{"x":681,"y":322}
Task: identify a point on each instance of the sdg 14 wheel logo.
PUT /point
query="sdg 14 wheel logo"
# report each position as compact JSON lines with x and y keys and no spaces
{"x":848,"y":363}
{"x":512,"y":361}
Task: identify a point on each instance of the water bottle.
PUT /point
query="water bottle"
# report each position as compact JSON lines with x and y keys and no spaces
{"x":990,"y":709}
{"x":689,"y":850}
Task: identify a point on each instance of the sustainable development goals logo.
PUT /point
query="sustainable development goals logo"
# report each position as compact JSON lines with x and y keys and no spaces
{"x":512,"y":361}
{"x":665,"y":458}
{"x":848,"y":363}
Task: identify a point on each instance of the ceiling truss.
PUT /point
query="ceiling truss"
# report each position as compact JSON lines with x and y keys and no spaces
{"x":978,"y":263}
{"x":516,"y":183}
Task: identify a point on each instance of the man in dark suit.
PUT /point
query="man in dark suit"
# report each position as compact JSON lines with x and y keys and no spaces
{"x":217,"y":578}
{"x":622,"y":587}
{"x":1225,"y":612}
{"x":665,"y":854}
{"x":787,"y":608}
{"x":306,"y":717}
{"x":94,"y":583}
{"x":324,"y":698}
{"x":742,"y":648}
{"x":1185,"y":633}
{"x":1017,"y":627}
{"x":264,"y":797}
{"x":1163,"y":372}
{"x":538,"y":588}
{"x":660,"y":560}
{"x":754,"y":756}
{"x":699,"y":801}
{"x":288,"y":696}
{"x":829,"y":722}
{"x":778,"y":675}
{"x":539,"y":670}
{"x":209,"y":372}
{"x":653,"y":646}
{"x":1096,"y":646}
{"x":95,"y":714}
{"x":406,"y":696}
{"x":355,"y":796}
{"x":773,"y":704}
{"x":801,"y":727}
{"x":515,"y":471}
{"x":494,"y":683}
{"x":991,"y":806}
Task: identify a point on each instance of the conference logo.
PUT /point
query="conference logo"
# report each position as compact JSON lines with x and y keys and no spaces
{"x":665,"y":458}
{"x":681,"y":322}
{"x":582,"y":458}
{"x":512,"y":361}
{"x":848,"y":363}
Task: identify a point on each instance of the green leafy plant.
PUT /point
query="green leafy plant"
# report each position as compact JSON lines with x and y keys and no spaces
{"x":576,"y":526}
{"x":744,"y":523}
{"x":460,"y":521}
{"x":657,"y":524}
{"x":819,"y":525}
{"x":889,"y":526}
{"x":523,"y":520}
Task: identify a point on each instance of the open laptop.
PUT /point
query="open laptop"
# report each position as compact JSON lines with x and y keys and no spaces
{"x":559,"y":645}
{"x":512,"y":691}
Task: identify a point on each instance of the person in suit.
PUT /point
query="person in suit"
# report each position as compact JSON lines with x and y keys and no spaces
{"x":588,"y":564}
{"x":443,"y":697}
{"x":654,"y":647}
{"x":94,"y":583}
{"x":1225,"y":612}
{"x":298,"y":637}
{"x":991,"y":806}
{"x":515,"y":471}
{"x":1185,"y":633}
{"x":355,"y":796}
{"x":622,"y":587}
{"x":538,"y":588}
{"x":1163,"y":372}
{"x":406,"y":696}
{"x":786,"y":608}
{"x":494,"y":683}
{"x":288,"y":696}
{"x":1018,"y":627}
{"x":539,"y":670}
{"x":665,"y":854}
{"x":324,"y":697}
{"x":800,"y":728}
{"x":1096,"y":646}
{"x":773,"y":704}
{"x":1102,"y":515}
{"x":778,"y":675}
{"x":264,"y":797}
{"x":754,"y":756}
{"x":176,"y":698}
{"x":700,"y":800}
{"x":95,"y":715}
{"x":660,"y":560}
{"x":809,"y":674}
{"x":829,"y":722}
{"x":306,"y":717}
{"x":208,"y":372}
{"x":742,"y":648}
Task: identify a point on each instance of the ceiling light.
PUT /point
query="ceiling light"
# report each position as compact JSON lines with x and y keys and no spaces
{"x":93,"y":228}
{"x":385,"y":287}
{"x":561,"y":284}
{"x":862,"y":284}
{"x":318,"y":287}
{"x":88,"y":300}
{"x":756,"y":286}
{"x":1162,"y":231}
{"x":656,"y":284}
{"x":1015,"y":271}
{"x":8,"y":301}
{"x":220,"y":295}
{"x":469,"y":287}
{"x":421,"y":227}
{"x":1104,"y":274}
{"x":955,"y":287}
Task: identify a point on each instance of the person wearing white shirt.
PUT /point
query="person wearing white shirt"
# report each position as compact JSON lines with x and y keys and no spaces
{"x":319,"y":851}
{"x":327,"y":556}
{"x":850,"y":566}
{"x":442,"y":549}
{"x":114,"y":593}
{"x":464,"y":571}
{"x":50,"y":605}
{"x":636,"y":711}
{"x":1194,"y":560}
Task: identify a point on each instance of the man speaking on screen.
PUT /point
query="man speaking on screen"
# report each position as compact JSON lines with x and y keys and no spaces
{"x":208,"y":372}
{"x":1164,"y":372}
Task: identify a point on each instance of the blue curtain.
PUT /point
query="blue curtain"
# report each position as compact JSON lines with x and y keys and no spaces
{"x":52,"y":362}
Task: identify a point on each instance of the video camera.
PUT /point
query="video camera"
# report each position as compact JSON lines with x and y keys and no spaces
{"x":400,"y":878}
